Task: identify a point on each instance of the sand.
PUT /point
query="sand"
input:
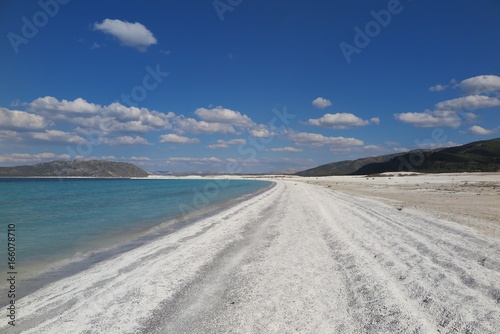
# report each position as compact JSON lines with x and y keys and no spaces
{"x":297,"y":258}
{"x":471,"y":199}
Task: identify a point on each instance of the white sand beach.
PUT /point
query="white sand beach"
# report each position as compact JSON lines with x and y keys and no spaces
{"x":391,"y":254}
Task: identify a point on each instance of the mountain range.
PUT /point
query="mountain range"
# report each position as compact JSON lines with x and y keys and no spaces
{"x":88,"y":168}
{"x":480,"y":156}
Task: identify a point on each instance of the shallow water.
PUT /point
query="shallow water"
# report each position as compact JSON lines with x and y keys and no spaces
{"x":72,"y":223}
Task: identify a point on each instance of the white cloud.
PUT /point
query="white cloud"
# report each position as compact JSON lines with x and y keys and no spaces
{"x":481,"y":84}
{"x":401,"y":149}
{"x":94,"y":157}
{"x":470,"y":102}
{"x":20,"y":120}
{"x":133,"y":158}
{"x":10,"y":136}
{"x":134,"y":35}
{"x":112,"y":118}
{"x":316,"y":139}
{"x":429,"y":118}
{"x":224,"y":115}
{"x":376,"y":148}
{"x":31,"y":158}
{"x":321,"y":103}
{"x":125,"y":140}
{"x":477,"y":130}
{"x":173,"y":138}
{"x":122,"y":117}
{"x":341,"y":121}
{"x":215,"y":120}
{"x":471,"y":115}
{"x":58,"y":136}
{"x":191,"y":125}
{"x":198,"y":161}
{"x":262,"y":132}
{"x":285,"y":149}
{"x":438,"y":88}
{"x":225,"y":143}
{"x":433,"y":145}
{"x":103,"y":157}
{"x":53,"y":105}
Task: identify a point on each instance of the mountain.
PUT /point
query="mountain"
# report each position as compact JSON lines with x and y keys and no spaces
{"x":345,"y":167}
{"x":480,"y":156}
{"x":90,"y":168}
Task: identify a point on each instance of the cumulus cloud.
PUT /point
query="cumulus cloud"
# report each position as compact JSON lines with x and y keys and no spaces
{"x":112,"y":118}
{"x":191,"y":125}
{"x":10,"y":136}
{"x":321,"y":103}
{"x":434,"y":145}
{"x":341,"y":121}
{"x":198,"y":161}
{"x":173,"y":138}
{"x":470,"y":102}
{"x":134,"y":158}
{"x":57,"y":136}
{"x":438,"y":88}
{"x":375,"y":148}
{"x":20,"y":120}
{"x":125,"y":140}
{"x":224,"y":115}
{"x":481,"y":84}
{"x":262,"y":131}
{"x":31,"y":158}
{"x":316,"y":140}
{"x":225,"y":143}
{"x":285,"y":149}
{"x":477,"y":130}
{"x":427,"y":119}
{"x":135,"y":35}
{"x":77,"y":107}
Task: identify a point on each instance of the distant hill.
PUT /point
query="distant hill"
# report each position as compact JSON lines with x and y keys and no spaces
{"x":345,"y":167}
{"x":480,"y":156}
{"x":90,"y":168}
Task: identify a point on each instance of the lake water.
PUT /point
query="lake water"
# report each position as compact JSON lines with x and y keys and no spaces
{"x":72,"y":223}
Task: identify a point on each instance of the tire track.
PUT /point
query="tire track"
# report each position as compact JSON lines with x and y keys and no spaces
{"x":297,"y":258}
{"x":421,"y":270}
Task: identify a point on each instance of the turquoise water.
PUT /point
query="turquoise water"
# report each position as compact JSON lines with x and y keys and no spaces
{"x":64,"y":219}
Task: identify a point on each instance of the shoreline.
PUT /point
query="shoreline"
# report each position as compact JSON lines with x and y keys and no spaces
{"x":468,"y":199}
{"x":295,"y":257}
{"x":54,"y":271}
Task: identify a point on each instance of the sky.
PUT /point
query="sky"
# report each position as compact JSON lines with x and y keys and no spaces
{"x":239,"y":86}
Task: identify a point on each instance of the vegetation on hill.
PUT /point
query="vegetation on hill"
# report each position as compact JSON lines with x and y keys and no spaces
{"x":345,"y":167}
{"x":480,"y":156}
{"x":89,"y":168}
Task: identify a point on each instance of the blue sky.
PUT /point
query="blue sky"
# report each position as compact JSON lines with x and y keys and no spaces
{"x":244,"y":86}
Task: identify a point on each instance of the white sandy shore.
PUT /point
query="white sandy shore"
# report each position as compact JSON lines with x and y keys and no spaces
{"x":296,"y":258}
{"x":471,"y":199}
